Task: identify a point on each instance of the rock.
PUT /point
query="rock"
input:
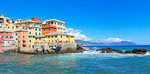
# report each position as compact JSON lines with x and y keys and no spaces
{"x":27,"y":51}
{"x":128,"y":52}
{"x":110,"y":50}
{"x":139,"y":51}
{"x":51,"y":52}
{"x":67,"y":51}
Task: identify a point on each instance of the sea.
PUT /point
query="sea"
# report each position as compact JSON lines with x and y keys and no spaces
{"x":87,"y":62}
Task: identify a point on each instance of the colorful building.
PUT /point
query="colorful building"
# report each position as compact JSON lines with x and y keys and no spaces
{"x":5,"y":20}
{"x":6,"y":39}
{"x":24,"y":22}
{"x":59,"y":24}
{"x":55,"y":38}
{"x":22,"y":38}
{"x":10,"y":26}
{"x":32,"y":32}
{"x":48,"y":29}
{"x":7,"y":35}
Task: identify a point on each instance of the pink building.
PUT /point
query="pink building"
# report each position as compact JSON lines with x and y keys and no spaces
{"x":22,"y":38}
{"x":6,"y":35}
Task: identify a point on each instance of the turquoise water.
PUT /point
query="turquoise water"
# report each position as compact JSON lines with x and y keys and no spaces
{"x":91,"y":62}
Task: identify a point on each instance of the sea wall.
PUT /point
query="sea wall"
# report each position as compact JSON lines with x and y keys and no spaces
{"x":55,"y":49}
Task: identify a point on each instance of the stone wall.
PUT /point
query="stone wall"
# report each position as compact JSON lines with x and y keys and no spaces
{"x":68,"y":46}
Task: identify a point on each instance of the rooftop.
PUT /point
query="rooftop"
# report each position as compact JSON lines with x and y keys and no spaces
{"x":53,"y":33}
{"x":54,"y":21}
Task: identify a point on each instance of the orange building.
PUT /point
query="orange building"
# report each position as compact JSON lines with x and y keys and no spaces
{"x":48,"y":29}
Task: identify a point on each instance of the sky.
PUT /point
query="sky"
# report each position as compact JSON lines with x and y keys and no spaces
{"x":95,"y":20}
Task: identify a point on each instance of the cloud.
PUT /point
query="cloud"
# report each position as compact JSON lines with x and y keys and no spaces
{"x":114,"y":40}
{"x":108,"y":40}
{"x":77,"y":34}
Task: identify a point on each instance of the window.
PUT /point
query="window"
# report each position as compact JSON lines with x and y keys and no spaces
{"x":12,"y":26}
{"x":66,"y":36}
{"x":29,"y":32}
{"x":16,"y":33}
{"x":48,"y":23}
{"x":29,"y":36}
{"x":52,"y":36}
{"x":51,"y":23}
{"x":18,"y":41}
{"x":33,"y":36}
{"x":6,"y":36}
{"x":1,"y":36}
{"x":16,"y":38}
{"x":61,"y":36}
{"x":39,"y":29}
{"x":48,"y":36}
{"x":35,"y":33}
{"x":29,"y":28}
{"x":36,"y":29}
{"x":49,"y":29}
{"x":16,"y":45}
{"x":39,"y":38}
{"x":8,"y":26}
{"x":39,"y":33}
{"x":23,"y":37}
{"x":2,"y":32}
{"x":55,"y":36}
{"x":11,"y":37}
{"x":29,"y":40}
{"x":44,"y":29}
{"x":40,"y":25}
{"x":36,"y":38}
{"x":32,"y":46}
{"x":55,"y":23}
{"x":6,"y":32}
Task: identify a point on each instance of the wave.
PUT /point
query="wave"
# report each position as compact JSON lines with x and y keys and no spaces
{"x":113,"y":55}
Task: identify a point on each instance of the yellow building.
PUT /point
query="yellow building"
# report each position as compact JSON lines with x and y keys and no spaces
{"x":55,"y":38}
{"x":10,"y":26}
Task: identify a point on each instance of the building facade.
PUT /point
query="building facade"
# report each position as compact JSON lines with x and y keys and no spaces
{"x":10,"y":26}
{"x":48,"y":29}
{"x":22,"y":38}
{"x":5,"y":20}
{"x":55,"y":38}
{"x":32,"y":32}
{"x":7,"y":35}
{"x":59,"y":24}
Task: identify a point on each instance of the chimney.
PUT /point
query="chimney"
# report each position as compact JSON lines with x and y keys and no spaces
{"x":2,"y":15}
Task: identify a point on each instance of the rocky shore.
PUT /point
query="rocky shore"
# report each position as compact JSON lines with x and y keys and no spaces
{"x":134,"y":51}
{"x":56,"y":50}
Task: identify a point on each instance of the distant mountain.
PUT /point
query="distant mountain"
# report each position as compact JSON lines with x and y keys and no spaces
{"x":88,"y":43}
{"x":122,"y":43}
